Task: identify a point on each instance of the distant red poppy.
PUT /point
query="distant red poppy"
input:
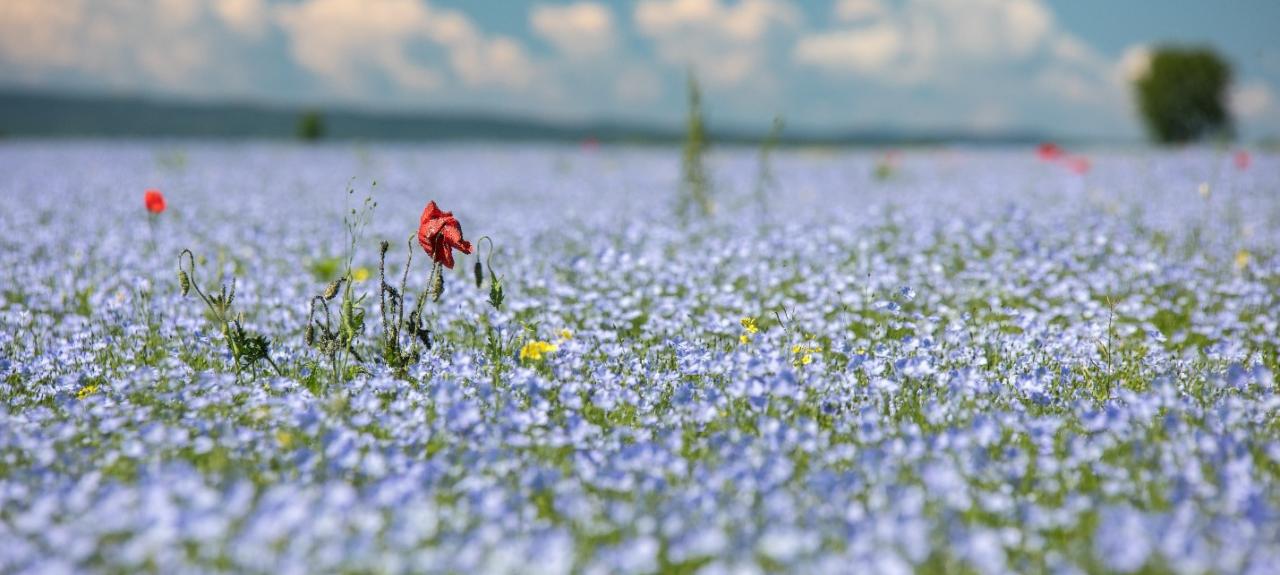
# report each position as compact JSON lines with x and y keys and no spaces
{"x":154,"y":201}
{"x":1242,"y":160}
{"x":439,"y":233}
{"x":1078,"y":164}
{"x":590,"y":144}
{"x":1049,"y":152}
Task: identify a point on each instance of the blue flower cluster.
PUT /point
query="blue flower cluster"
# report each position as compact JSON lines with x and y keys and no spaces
{"x":982,"y":364}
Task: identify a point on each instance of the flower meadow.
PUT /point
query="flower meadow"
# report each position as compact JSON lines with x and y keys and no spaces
{"x":950,"y":361}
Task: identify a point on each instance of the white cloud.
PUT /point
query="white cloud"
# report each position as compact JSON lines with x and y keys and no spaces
{"x":868,"y":51}
{"x":926,"y":37}
{"x":973,"y":53}
{"x":102,"y":40}
{"x":1134,"y":63}
{"x":583,"y":30}
{"x":726,"y":45}
{"x":854,"y":10}
{"x":343,"y":40}
{"x":1251,"y":101}
{"x":245,"y":16}
{"x":637,"y":85}
{"x":40,"y":33}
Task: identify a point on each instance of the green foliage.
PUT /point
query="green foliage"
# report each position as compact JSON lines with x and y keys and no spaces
{"x":765,"y":180}
{"x":311,"y":126}
{"x":247,"y":348}
{"x":1182,"y":96}
{"x":695,"y":185}
{"x":337,"y":340}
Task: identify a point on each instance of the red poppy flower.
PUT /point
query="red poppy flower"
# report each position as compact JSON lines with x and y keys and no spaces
{"x":439,"y":233}
{"x":1078,"y":164}
{"x":1049,"y":152}
{"x":1242,"y":160}
{"x":154,"y":201}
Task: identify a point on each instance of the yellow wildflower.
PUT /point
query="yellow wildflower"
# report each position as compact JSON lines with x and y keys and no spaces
{"x":749,"y":324}
{"x":803,"y":353}
{"x":744,"y":339}
{"x":565,"y":334}
{"x":360,"y":274}
{"x":284,"y":438}
{"x":1242,"y":259}
{"x":534,"y":350}
{"x":87,"y":390}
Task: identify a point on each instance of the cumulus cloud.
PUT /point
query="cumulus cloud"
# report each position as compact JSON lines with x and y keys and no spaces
{"x":726,"y":45}
{"x":855,"y":10}
{"x":245,"y":16}
{"x":971,"y":52}
{"x":343,"y":40}
{"x":1251,"y":101}
{"x":1134,"y":63}
{"x":37,"y":33}
{"x":637,"y":85}
{"x":924,"y":38}
{"x":872,"y":50}
{"x":583,"y":30}
{"x":102,"y":40}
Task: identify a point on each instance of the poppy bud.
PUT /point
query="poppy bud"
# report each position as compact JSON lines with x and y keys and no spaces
{"x":310,"y":336}
{"x":384,"y":246}
{"x":184,"y":282}
{"x":479,"y":271}
{"x":331,"y":291}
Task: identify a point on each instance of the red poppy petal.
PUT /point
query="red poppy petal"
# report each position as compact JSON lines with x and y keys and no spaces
{"x":445,"y":256}
{"x":452,"y":233}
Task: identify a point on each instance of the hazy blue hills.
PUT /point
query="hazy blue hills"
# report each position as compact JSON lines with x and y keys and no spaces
{"x":35,"y":114}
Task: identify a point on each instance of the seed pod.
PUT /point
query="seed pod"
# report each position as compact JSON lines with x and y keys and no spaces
{"x":310,"y":337}
{"x":437,"y":282}
{"x":184,"y":282}
{"x":479,"y":271}
{"x":384,"y":246}
{"x":331,"y":291}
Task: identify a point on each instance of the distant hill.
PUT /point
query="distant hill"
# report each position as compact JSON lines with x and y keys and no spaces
{"x":33,"y":114}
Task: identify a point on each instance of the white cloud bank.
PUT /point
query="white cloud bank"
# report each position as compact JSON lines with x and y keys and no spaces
{"x":343,"y":40}
{"x":581,"y":31}
{"x":727,"y":45}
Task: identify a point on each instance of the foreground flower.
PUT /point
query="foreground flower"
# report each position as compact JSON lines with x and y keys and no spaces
{"x":439,"y":233}
{"x":535,"y":349}
{"x":154,"y":201}
{"x":87,"y":390}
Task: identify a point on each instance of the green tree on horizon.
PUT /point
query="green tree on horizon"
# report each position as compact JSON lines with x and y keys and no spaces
{"x":311,"y":126}
{"x":1182,"y":96}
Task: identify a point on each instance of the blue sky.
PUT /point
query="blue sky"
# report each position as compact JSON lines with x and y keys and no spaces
{"x":1058,"y":66}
